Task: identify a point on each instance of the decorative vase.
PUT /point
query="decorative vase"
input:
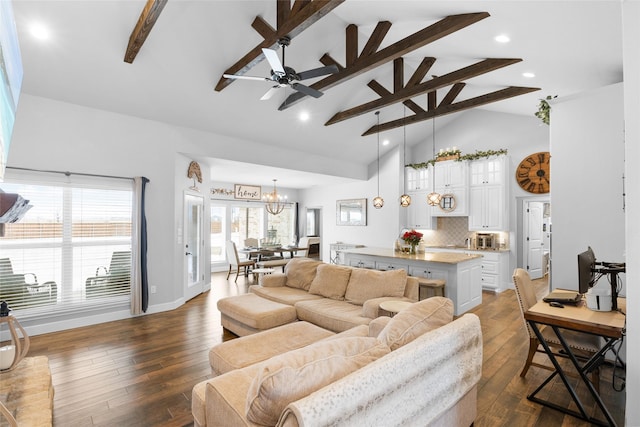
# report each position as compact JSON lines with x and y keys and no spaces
{"x":413,"y":249}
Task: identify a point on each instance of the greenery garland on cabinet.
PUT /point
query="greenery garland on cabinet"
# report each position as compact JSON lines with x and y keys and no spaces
{"x":544,"y":109}
{"x":475,"y":156}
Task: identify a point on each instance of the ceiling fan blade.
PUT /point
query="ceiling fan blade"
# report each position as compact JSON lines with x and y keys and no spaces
{"x":274,"y":61}
{"x":306,"y":90}
{"x":317,"y":72}
{"x":269,"y":93}
{"x":234,"y":76}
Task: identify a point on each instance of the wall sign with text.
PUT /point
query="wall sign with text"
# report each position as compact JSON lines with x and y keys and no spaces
{"x":247,"y":192}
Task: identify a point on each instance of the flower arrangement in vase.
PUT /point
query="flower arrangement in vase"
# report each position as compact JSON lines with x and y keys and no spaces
{"x":412,"y":238}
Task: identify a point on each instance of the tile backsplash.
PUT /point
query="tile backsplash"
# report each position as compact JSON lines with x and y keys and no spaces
{"x":454,"y":231}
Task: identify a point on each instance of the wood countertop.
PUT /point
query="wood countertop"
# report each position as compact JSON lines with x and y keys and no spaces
{"x":441,"y":257}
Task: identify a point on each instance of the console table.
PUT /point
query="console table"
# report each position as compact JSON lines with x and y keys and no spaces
{"x":609,"y":325}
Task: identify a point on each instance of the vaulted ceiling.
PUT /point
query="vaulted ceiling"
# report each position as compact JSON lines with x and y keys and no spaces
{"x":390,"y":54}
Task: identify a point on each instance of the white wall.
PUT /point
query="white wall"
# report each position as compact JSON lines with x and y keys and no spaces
{"x":587,"y":164}
{"x":382,"y":224}
{"x":631,"y":51}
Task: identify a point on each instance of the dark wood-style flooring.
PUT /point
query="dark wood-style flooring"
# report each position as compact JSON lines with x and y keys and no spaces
{"x":140,"y":372}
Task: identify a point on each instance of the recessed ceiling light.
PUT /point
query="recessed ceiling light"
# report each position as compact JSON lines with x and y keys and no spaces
{"x":303,"y":116}
{"x":39,"y":31}
{"x":502,"y":38}
{"x":385,"y":142}
{"x":528,"y":75}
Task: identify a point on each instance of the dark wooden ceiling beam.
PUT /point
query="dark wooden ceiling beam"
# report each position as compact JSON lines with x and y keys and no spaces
{"x":452,"y":94}
{"x":408,"y":92}
{"x":307,"y":13}
{"x":283,"y":9}
{"x":488,"y":98}
{"x":298,"y":5}
{"x":436,"y":31}
{"x":421,"y":71}
{"x":351,"y":52}
{"x":398,"y":74}
{"x":262,"y":27}
{"x":146,"y":21}
{"x":376,"y":38}
{"x":382,"y":91}
{"x":328,"y":60}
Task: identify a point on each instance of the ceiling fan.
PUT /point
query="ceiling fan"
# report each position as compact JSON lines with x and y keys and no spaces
{"x":285,"y":76}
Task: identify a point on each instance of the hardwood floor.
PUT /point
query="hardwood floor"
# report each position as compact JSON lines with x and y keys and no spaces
{"x":140,"y":372}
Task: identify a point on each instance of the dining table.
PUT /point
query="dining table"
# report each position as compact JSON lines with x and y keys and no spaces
{"x":267,"y":251}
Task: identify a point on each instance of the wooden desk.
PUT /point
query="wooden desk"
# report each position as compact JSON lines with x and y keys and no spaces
{"x":609,"y":325}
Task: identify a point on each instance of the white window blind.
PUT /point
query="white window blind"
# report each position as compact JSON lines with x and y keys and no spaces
{"x":72,"y":250}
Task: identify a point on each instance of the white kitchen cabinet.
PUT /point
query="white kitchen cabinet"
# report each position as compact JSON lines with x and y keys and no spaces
{"x":495,"y":271}
{"x":361,"y":263}
{"x":417,"y":179}
{"x":451,"y":177}
{"x":387,"y":265}
{"x":419,"y":212}
{"x":451,"y":173}
{"x":488,"y":171}
{"x":487,"y":208}
{"x":429,"y":272}
{"x":488,"y":191}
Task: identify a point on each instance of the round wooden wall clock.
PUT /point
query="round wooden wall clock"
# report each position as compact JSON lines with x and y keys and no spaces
{"x":533,"y":173}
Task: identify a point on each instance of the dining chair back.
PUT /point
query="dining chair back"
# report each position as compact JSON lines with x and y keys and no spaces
{"x":235,"y":261}
{"x":585,"y":345}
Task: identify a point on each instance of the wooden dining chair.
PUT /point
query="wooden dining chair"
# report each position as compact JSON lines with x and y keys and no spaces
{"x":584,"y":345}
{"x":235,"y":261}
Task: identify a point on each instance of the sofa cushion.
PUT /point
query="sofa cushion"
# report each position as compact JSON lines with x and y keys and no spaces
{"x":300,"y":272}
{"x":416,"y":320}
{"x":286,"y":378}
{"x":337,"y":316}
{"x":331,"y":281}
{"x":365,"y":284}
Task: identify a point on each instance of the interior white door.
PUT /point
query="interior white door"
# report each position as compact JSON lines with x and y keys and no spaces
{"x":193,"y":245}
{"x":534,"y":238}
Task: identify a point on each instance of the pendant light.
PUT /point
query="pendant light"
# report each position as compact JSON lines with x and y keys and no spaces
{"x":378,"y":201}
{"x":433,"y":198}
{"x":405,"y":199}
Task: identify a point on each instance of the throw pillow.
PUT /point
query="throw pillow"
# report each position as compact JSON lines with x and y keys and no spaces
{"x":300,"y":272}
{"x":330,"y":281}
{"x":366,"y":284}
{"x":293,"y":375}
{"x":416,"y":320}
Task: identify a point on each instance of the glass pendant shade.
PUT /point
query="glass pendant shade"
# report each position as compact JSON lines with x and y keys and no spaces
{"x":433,"y":199}
{"x":405,"y":200}
{"x":378,"y":202}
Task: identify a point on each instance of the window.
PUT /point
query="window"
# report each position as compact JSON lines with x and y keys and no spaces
{"x":72,"y":249}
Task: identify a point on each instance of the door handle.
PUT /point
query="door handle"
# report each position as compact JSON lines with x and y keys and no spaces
{"x":188,"y":253}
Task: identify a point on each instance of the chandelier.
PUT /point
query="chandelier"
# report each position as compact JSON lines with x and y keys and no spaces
{"x":275,"y":203}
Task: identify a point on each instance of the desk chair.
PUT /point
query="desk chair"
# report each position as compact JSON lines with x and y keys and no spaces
{"x":234,"y":260}
{"x":584,"y":345}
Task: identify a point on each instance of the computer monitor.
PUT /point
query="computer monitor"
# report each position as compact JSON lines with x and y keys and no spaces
{"x":586,"y":270}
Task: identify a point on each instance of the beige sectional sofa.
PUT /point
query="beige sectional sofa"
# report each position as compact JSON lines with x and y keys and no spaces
{"x":419,"y":368}
{"x":334,"y":297}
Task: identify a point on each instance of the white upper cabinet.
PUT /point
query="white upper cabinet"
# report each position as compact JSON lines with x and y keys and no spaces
{"x":488,"y":171}
{"x":417,"y":179}
{"x":451,"y":173}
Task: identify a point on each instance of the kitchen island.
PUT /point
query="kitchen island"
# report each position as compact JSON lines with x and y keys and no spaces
{"x":461,"y":271}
